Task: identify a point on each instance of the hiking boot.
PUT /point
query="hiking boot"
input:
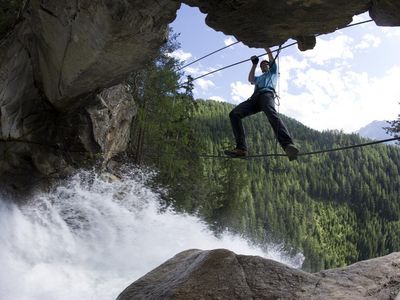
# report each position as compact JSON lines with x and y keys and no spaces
{"x":236,"y":152}
{"x":291,"y":152}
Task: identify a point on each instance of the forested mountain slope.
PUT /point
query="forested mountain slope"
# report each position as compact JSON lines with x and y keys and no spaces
{"x":336,"y":208}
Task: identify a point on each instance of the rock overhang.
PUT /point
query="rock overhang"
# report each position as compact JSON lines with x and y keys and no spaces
{"x":261,"y":24}
{"x":60,"y":54}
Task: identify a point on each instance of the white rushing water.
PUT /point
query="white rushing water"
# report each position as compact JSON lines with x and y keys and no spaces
{"x":91,"y":238}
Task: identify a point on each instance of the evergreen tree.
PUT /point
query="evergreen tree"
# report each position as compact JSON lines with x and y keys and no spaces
{"x":335,"y":208}
{"x":161,"y":135}
{"x":394,"y":127}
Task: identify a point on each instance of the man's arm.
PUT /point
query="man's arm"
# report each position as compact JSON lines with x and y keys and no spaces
{"x":272,"y":62}
{"x":270,"y":56}
{"x":251,"y":78}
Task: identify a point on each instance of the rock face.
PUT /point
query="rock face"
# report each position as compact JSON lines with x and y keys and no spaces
{"x":111,"y":117}
{"x":55,"y":67}
{"x":60,"y":57}
{"x":81,"y":46}
{"x":267,"y":23}
{"x":221,"y":274}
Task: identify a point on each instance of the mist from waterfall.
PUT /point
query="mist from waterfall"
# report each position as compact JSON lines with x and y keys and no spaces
{"x":91,"y":237}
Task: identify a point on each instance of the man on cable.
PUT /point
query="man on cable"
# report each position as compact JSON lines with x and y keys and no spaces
{"x":261,"y":100}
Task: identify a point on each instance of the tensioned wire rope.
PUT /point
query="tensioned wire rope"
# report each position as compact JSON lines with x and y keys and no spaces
{"x":303,"y":153}
{"x":245,"y":60}
{"x":278,"y":51}
{"x":207,"y":55}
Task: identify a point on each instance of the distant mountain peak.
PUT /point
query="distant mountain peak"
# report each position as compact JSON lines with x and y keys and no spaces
{"x":375,"y":130}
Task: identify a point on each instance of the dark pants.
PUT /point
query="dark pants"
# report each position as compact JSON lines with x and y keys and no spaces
{"x":262,"y":102}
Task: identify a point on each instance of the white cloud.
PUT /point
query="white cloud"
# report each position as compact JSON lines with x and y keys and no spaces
{"x":204,"y":84}
{"x":241,"y":91}
{"x":360,"y":18}
{"x":198,"y":71}
{"x":194,"y":71}
{"x":228,"y":41}
{"x":327,"y":50}
{"x":287,"y":66}
{"x":181,"y":55}
{"x":346,"y":100}
{"x":217,"y":98}
{"x":369,"y":40}
{"x":391,"y":31}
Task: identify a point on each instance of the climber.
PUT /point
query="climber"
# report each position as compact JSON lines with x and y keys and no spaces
{"x":262,"y":99}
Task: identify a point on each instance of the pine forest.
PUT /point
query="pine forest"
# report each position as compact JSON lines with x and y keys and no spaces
{"x":335,"y":208}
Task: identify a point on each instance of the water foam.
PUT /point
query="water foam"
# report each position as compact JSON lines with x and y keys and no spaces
{"x":90,"y":238}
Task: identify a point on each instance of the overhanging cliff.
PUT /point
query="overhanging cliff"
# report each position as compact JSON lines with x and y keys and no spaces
{"x":267,"y":23}
{"x":59,"y":57}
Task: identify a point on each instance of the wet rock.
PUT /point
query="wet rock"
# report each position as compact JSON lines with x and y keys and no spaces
{"x":60,"y":57}
{"x":56,"y":66}
{"x":222,"y":274}
{"x":111,"y":118}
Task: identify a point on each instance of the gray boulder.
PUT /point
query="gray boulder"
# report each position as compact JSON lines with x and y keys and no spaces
{"x":222,"y":274}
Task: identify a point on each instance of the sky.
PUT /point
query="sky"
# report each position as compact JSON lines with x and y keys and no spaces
{"x":349,"y":79}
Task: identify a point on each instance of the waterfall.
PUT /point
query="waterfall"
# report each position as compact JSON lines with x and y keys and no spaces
{"x":90,"y":237}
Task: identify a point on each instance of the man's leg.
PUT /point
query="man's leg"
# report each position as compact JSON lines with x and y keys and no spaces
{"x":267,"y":105}
{"x":241,"y":111}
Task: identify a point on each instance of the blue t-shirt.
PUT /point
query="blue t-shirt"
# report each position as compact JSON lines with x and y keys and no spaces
{"x":266,"y":81}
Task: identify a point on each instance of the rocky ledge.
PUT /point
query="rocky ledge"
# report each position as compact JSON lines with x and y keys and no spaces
{"x":57,"y":58}
{"x":259,"y":23}
{"x":61,"y":67}
{"x":221,"y":274}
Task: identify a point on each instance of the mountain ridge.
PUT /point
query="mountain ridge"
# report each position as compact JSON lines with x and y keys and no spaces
{"x":376,"y":131}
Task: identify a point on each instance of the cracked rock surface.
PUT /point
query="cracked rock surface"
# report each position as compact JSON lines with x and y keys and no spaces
{"x":222,"y":274}
{"x":60,"y":56}
{"x":83,"y":45}
{"x":60,"y":70}
{"x":259,"y":23}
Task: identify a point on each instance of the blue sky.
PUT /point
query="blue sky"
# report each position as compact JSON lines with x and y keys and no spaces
{"x":351,"y":77}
